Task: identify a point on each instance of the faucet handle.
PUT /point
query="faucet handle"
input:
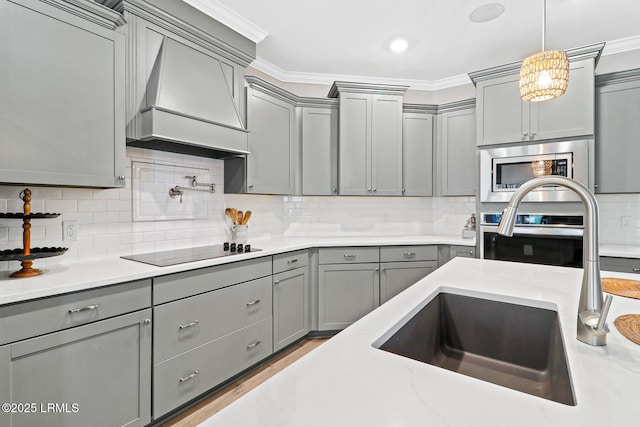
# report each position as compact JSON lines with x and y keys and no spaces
{"x":604,"y":311}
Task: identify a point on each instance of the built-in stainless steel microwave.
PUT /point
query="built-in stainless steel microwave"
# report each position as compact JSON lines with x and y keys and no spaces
{"x":504,"y":169}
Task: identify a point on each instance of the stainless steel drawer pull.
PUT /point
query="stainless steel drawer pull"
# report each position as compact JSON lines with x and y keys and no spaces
{"x":409,"y":254}
{"x":189,"y":377}
{"x":253,"y":345}
{"x":254,"y":302}
{"x":81,"y":309}
{"x":188,"y":325}
{"x":291,"y":261}
{"x":635,"y":270}
{"x":349,"y":256}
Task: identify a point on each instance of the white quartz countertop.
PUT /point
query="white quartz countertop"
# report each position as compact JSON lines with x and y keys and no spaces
{"x":87,"y":275}
{"x":347,"y":382}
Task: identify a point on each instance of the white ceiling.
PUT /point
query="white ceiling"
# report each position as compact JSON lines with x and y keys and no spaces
{"x":321,"y":41}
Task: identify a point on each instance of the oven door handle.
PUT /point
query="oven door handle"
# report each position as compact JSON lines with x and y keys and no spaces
{"x":539,"y":231}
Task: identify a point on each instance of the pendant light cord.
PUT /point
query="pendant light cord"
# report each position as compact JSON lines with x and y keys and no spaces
{"x":544,"y":21}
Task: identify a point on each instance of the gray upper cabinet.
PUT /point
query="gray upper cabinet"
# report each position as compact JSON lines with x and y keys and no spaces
{"x":62,"y":114}
{"x":618,"y":132}
{"x":273,"y":144}
{"x":369,"y":139}
{"x":457,"y":166}
{"x":320,"y":150}
{"x":504,"y":118}
{"x":417,"y":154}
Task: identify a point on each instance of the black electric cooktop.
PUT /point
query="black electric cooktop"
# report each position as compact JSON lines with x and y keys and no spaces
{"x":181,"y":256}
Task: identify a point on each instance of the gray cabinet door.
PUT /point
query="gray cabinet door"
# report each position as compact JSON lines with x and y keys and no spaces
{"x":570,"y":115}
{"x":618,"y":137}
{"x":100,"y":373}
{"x":386,"y":145}
{"x":62,"y":116}
{"x":502,"y":116}
{"x":457,"y":145}
{"x":395,"y":277}
{"x":625,"y":265}
{"x":319,"y":151}
{"x":417,"y":154}
{"x":354,"y":151}
{"x":346,"y":292}
{"x":272,"y":144}
{"x":290,"y":306}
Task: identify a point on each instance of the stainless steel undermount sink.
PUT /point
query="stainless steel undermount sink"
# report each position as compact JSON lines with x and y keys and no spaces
{"x":511,"y":345}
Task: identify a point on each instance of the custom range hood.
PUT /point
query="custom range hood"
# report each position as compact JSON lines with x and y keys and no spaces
{"x":190,"y":107}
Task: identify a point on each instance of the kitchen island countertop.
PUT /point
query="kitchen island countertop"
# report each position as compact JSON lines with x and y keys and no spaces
{"x":347,"y":382}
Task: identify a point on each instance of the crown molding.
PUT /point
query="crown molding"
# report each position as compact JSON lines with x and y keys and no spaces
{"x":618,"y":77}
{"x":327,"y":79}
{"x":575,"y":54}
{"x":352,"y":87}
{"x":457,"y":105}
{"x":230,"y":18}
{"x":622,"y":45}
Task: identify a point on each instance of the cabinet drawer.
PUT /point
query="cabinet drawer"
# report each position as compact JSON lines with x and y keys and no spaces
{"x":408,"y":253}
{"x":184,"y":377}
{"x":348,"y":255}
{"x":182,"y":285}
{"x":290,"y":261}
{"x":182,"y":325}
{"x":33,"y":318}
{"x":623,"y":265}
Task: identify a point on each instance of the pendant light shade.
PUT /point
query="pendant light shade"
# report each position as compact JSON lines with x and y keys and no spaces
{"x":544,"y":75}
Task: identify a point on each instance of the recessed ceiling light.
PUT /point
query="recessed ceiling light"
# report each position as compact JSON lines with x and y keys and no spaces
{"x":486,"y":12}
{"x":399,"y":45}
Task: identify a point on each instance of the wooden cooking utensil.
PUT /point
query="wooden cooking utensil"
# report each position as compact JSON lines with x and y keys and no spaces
{"x":239,"y":217}
{"x":229,"y":213}
{"x":247,"y":215}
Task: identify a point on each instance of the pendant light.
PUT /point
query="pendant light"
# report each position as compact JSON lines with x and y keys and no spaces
{"x":544,"y":75}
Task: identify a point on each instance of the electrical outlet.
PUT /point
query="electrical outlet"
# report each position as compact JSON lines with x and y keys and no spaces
{"x":70,"y":230}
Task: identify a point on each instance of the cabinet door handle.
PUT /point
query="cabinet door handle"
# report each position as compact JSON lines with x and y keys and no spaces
{"x":471,"y":253}
{"x":292,"y":261}
{"x":188,"y":325}
{"x":533,"y":133}
{"x":81,"y":309}
{"x":375,"y":189}
{"x":384,"y":269}
{"x":335,"y":190}
{"x":276,"y":282}
{"x":635,"y":270}
{"x":253,"y":344}
{"x":409,"y":254}
{"x":121,"y":177}
{"x":147,"y":321}
{"x":250,"y":186}
{"x":188,"y":377}
{"x":525,"y":133}
{"x":254,"y":302}
{"x":349,"y":256}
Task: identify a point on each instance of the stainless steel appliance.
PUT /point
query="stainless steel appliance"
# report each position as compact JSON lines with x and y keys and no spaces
{"x":181,"y":256}
{"x":552,"y":239}
{"x":504,"y":169}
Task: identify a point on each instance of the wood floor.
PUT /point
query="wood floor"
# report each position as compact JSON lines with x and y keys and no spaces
{"x":194,"y":416}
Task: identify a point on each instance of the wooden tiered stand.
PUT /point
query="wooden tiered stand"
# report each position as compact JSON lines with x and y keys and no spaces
{"x":28,"y":254}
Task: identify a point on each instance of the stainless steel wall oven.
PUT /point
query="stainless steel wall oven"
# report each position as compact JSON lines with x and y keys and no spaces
{"x":550,"y":239}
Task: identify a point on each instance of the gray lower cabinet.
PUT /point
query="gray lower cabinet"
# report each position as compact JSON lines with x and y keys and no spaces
{"x":319,"y":151}
{"x":417,"y":154}
{"x":623,"y":265}
{"x":273,"y":145}
{"x":457,"y":166}
{"x":209,"y":325}
{"x":462,"y":251}
{"x":346,"y":292}
{"x":93,"y":375}
{"x":62,"y":115}
{"x":188,"y":375}
{"x":617,"y":133}
{"x":290,"y":306}
{"x":395,"y":277}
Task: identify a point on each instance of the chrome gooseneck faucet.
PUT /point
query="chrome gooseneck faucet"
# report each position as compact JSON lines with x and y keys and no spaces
{"x":592,"y":312}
